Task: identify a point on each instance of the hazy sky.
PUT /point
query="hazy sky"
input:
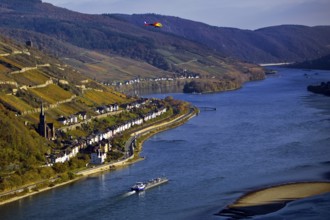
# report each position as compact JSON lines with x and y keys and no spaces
{"x":244,"y":14}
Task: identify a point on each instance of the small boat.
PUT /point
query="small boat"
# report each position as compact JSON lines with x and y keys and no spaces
{"x":139,"y":186}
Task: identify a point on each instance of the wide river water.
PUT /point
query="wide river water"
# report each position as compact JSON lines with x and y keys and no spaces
{"x":269,"y":132}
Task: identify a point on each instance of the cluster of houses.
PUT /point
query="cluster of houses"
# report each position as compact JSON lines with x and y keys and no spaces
{"x":114,"y":107}
{"x":98,"y":155}
{"x":136,"y":81}
{"x":71,"y":151}
{"x":73,"y":119}
{"x":82,"y":116}
{"x":99,"y":142}
{"x":137,"y":104}
{"x":106,"y":108}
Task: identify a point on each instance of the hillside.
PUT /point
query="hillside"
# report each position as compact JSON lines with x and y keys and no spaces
{"x":108,"y":48}
{"x":125,"y":35}
{"x":29,"y":78}
{"x":55,"y":121}
{"x":322,"y":63}
{"x":24,"y":153}
{"x":266,"y":45}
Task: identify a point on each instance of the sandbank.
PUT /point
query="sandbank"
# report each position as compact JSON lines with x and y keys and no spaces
{"x":286,"y":192}
{"x":273,"y":198}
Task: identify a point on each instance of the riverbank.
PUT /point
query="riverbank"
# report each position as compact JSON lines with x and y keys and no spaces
{"x":142,"y":134}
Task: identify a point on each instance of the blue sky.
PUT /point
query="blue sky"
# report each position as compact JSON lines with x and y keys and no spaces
{"x":244,"y":14}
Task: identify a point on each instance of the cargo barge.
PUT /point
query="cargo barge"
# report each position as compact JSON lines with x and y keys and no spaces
{"x":141,"y":186}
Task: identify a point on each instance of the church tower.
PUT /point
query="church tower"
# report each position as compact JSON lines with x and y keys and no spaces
{"x":42,"y":123}
{"x":46,"y":130}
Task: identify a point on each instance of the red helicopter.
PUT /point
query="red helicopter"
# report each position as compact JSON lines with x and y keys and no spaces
{"x":156,"y":24}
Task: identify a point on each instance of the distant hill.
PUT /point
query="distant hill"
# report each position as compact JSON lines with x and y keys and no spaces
{"x":108,"y":47}
{"x":272,"y":44}
{"x":125,"y":35}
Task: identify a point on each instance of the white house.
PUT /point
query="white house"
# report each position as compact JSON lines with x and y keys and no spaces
{"x":62,"y":120}
{"x":82,"y":115}
{"x":59,"y":158}
{"x":108,"y":134}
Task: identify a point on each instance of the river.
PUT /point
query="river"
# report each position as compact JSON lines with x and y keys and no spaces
{"x":269,"y":132}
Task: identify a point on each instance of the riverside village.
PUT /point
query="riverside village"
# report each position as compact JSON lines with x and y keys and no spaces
{"x":98,"y":143}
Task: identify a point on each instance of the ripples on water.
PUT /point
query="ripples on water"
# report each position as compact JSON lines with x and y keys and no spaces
{"x":269,"y":132}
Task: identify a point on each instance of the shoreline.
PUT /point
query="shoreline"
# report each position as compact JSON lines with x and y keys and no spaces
{"x":145,"y":133}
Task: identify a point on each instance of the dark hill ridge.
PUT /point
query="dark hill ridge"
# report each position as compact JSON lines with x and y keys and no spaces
{"x":271,"y":44}
{"x":322,"y":63}
{"x":125,"y":35}
{"x":95,"y":32}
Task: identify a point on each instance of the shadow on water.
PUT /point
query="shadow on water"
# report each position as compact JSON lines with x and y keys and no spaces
{"x":249,"y":211}
{"x":326,"y":163}
{"x":326,"y":175}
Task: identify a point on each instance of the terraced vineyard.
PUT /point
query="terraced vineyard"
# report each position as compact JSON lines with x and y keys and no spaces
{"x":29,"y":78}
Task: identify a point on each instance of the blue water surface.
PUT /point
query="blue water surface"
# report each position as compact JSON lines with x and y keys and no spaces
{"x":268,"y":132}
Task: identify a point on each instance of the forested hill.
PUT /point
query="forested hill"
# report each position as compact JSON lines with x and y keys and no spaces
{"x":96,"y":32}
{"x":126,"y":36}
{"x":271,"y":44}
{"x":21,"y":149}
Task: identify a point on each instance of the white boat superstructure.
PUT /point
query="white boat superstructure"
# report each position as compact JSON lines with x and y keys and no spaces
{"x":139,"y":186}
